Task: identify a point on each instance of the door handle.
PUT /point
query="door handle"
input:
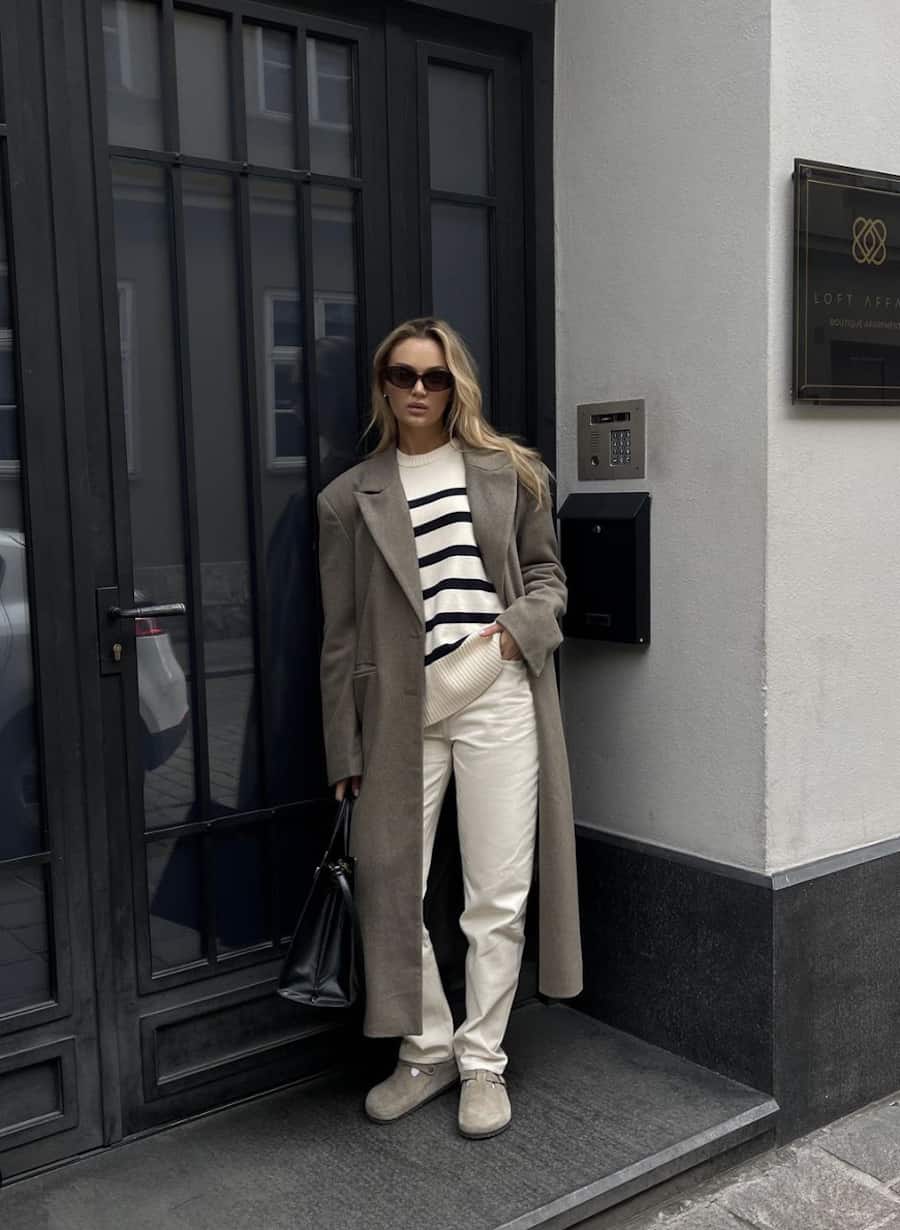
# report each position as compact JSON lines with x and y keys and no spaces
{"x":142,"y":612}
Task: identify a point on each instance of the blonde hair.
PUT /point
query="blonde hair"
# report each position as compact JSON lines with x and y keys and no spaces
{"x":463,"y":417}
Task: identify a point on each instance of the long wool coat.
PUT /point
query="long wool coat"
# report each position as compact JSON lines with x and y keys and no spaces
{"x":373,"y":685}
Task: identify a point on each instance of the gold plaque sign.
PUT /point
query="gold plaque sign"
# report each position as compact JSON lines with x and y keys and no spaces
{"x":846,"y":285}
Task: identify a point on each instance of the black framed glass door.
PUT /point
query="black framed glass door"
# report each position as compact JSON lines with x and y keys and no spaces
{"x":274,"y":187}
{"x":236,"y":179}
{"x":50,"y":1067}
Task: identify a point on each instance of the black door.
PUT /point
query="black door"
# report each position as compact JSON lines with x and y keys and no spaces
{"x":50,"y":1104}
{"x":247,"y":196}
{"x":275,"y":187}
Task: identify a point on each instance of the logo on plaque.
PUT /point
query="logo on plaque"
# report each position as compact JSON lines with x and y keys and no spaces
{"x":869,"y":241}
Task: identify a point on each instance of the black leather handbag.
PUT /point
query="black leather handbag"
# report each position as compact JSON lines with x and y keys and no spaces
{"x":324,"y":965}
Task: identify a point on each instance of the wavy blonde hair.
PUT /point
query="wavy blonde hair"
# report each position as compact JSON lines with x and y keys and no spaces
{"x":463,"y":418}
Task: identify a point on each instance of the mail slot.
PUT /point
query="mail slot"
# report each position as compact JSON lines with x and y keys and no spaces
{"x":604,"y":544}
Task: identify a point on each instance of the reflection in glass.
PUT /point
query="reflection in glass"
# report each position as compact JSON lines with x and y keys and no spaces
{"x":144,"y":271}
{"x":269,"y":89}
{"x":133,"y":98}
{"x":335,"y":308}
{"x":241,"y":895}
{"x":201,"y":56}
{"x":20,"y":795}
{"x":329,"y":70}
{"x":25,"y":977}
{"x":458,"y":118}
{"x":292,"y":693}
{"x":278,"y":322}
{"x":9,"y":435}
{"x":299,"y":843}
{"x":173,"y":887}
{"x":220,"y":481}
{"x":461,"y":278}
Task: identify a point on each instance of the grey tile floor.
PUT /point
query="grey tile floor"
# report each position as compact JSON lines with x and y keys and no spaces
{"x":845,"y":1176}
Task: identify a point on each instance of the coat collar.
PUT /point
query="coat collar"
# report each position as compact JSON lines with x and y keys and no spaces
{"x":491,"y":483}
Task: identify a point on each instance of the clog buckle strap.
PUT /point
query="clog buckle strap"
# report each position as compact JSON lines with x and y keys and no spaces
{"x":490,"y":1078}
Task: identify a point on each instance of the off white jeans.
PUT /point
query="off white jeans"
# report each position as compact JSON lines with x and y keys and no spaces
{"x":491,"y":745}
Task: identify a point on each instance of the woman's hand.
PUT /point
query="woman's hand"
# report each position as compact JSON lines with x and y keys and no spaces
{"x":507,"y":641}
{"x":340,"y":788}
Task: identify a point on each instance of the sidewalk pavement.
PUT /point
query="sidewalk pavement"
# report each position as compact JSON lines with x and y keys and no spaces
{"x":845,"y":1176}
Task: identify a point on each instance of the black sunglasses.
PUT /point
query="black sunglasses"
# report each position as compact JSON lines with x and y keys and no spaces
{"x":436,"y":379}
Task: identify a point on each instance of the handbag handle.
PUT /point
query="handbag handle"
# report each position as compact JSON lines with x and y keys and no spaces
{"x":342,"y":821}
{"x":339,"y":872}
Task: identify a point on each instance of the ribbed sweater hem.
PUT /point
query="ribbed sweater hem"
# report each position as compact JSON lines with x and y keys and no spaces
{"x":455,"y":680}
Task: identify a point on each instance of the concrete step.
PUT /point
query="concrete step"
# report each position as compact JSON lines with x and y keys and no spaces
{"x":602,"y":1124}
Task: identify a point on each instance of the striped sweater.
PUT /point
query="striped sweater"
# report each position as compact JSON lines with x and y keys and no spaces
{"x":458,"y":597}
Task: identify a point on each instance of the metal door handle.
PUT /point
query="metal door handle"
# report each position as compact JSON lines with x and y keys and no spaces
{"x":142,"y":612}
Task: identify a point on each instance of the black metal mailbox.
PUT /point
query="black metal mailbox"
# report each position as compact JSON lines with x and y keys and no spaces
{"x":604,"y":543}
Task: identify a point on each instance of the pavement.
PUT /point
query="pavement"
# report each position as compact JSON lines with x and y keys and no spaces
{"x":845,"y":1176}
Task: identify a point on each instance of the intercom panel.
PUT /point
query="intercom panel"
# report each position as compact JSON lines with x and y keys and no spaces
{"x":611,"y":440}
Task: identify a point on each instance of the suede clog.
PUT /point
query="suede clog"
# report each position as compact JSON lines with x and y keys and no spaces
{"x":409,"y":1086}
{"x":484,"y":1108}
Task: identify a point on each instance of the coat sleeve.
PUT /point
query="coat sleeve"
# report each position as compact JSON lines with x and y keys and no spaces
{"x":535,"y":618}
{"x":340,"y":724}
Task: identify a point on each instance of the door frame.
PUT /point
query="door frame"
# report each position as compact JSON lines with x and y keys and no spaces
{"x":61,"y":1038}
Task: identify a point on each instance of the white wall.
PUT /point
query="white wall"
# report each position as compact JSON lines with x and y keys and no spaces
{"x":662,"y":166}
{"x":833,"y":556}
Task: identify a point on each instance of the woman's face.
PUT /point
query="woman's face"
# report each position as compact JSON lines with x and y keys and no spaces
{"x":417,"y":410}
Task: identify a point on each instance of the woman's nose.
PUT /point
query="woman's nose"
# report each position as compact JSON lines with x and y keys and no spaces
{"x":419,"y":385}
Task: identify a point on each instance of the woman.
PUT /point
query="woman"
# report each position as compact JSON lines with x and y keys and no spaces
{"x":442,"y":595}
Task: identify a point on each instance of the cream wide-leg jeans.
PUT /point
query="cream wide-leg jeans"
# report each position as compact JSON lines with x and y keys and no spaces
{"x":491,"y":745}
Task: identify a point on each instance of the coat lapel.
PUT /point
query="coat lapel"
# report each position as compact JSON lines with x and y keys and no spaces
{"x":491,"y":483}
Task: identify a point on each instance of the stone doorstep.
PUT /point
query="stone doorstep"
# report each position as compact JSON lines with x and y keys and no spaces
{"x":844,"y":1175}
{"x":604,"y":1124}
{"x":652,"y":1183}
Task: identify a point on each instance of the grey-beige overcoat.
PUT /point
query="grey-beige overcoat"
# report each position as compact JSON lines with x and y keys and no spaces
{"x":373,"y":687}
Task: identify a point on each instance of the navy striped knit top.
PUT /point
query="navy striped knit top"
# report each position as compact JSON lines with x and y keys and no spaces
{"x":458,"y":597}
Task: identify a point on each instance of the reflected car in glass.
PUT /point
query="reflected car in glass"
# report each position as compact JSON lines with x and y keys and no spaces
{"x":162,"y":693}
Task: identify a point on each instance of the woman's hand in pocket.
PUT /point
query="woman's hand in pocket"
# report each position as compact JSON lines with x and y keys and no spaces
{"x":340,"y":788}
{"x":507,"y":641}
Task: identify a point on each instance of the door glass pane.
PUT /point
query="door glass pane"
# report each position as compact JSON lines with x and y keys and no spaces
{"x":176,"y":919}
{"x":458,"y":120}
{"x":299,"y":844}
{"x":152,"y":438}
{"x":335,"y":304}
{"x":461,"y":278}
{"x":131,"y":47}
{"x":201,"y":55}
{"x":288,"y":532}
{"x":220,"y":480}
{"x":241,"y":896}
{"x":329,"y":68}
{"x":25,"y":977}
{"x":269,"y":88}
{"x":20,"y":795}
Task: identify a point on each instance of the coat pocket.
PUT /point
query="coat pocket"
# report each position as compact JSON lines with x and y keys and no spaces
{"x":359,"y":681}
